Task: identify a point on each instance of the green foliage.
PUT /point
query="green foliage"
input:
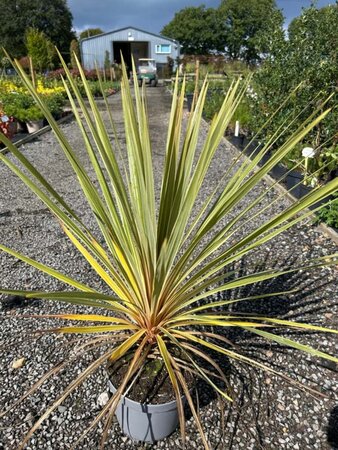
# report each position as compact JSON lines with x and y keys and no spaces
{"x":214,"y":64}
{"x":237,"y":67}
{"x":320,"y":168}
{"x":309,"y":59}
{"x":168,"y":69}
{"x":88,"y":32}
{"x":219,"y":86}
{"x":55,"y":103}
{"x":22,"y":106}
{"x":198,"y":30}
{"x":329,"y":214}
{"x":40,"y":49}
{"x":74,"y":53}
{"x":96,"y":86}
{"x":5,"y":62}
{"x":215,"y":97}
{"x":32,"y":113}
{"x":250,"y":27}
{"x":17,"y":104}
{"x":51,"y":17}
{"x":243,"y":116}
{"x":107,"y":62}
{"x":213,"y":104}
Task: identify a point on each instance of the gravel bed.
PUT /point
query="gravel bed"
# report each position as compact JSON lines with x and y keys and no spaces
{"x":267,"y":412}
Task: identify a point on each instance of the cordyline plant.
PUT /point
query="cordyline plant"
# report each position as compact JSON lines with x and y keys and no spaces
{"x":163,"y":265}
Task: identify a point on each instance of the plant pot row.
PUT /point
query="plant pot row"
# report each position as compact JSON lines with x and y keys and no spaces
{"x":29,"y":126}
{"x":292,"y":179}
{"x":20,"y":127}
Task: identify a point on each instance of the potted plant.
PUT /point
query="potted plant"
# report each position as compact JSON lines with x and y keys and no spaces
{"x":33,"y":117}
{"x":189,"y":93}
{"x":148,"y":410}
{"x":15,"y":104}
{"x":162,"y":266}
{"x":55,"y":103}
{"x":7,"y":124}
{"x":21,"y":106}
{"x":312,"y":169}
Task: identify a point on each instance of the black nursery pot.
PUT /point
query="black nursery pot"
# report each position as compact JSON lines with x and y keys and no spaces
{"x":264,"y":159}
{"x":278,"y":171}
{"x":189,"y":98}
{"x":237,"y":141}
{"x":251,"y":148}
{"x":22,"y":127}
{"x":293,"y":178}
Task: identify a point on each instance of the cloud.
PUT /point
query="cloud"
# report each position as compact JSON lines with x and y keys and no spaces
{"x":150,"y":15}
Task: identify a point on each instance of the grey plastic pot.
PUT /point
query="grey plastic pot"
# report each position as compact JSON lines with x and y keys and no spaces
{"x":146,"y":422}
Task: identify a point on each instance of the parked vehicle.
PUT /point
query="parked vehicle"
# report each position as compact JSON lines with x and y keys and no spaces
{"x":147,"y":71}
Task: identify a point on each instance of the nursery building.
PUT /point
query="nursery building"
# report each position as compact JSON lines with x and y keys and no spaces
{"x":130,"y":42}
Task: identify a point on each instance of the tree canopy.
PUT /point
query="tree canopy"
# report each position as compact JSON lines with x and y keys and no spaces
{"x":250,"y":27}
{"x":198,"y":30}
{"x":241,"y":29}
{"x":88,"y":32}
{"x":40,"y":49}
{"x":54,"y":19}
{"x":308,"y":59}
{"x":308,"y":56}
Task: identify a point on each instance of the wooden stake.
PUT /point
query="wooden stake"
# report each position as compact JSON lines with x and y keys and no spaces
{"x":197,"y":76}
{"x":32,"y":72}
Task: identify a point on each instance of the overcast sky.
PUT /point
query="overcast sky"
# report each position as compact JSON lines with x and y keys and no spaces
{"x":152,"y":15}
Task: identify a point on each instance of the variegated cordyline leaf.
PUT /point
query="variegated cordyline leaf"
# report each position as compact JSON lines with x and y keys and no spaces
{"x":163,"y":264}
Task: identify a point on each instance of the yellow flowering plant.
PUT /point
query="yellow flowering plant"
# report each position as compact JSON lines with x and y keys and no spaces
{"x":7,"y":87}
{"x":17,"y":102}
{"x":49,"y":89}
{"x":163,"y":264}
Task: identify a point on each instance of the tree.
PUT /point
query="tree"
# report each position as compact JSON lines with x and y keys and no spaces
{"x":198,"y":30}
{"x":308,"y":59}
{"x":309,"y":56}
{"x":74,"y":52}
{"x":90,"y":32}
{"x":314,"y":46}
{"x":250,"y":27}
{"x":40,"y":49}
{"x":107,"y":62}
{"x":53,"y":18}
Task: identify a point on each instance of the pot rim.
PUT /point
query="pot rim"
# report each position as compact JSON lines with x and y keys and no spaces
{"x":144,"y":407}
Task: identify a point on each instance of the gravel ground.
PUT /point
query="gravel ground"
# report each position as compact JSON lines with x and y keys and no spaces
{"x":267,"y":412}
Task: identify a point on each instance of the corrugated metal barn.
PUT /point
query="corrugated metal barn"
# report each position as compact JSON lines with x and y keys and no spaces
{"x":131,"y":42}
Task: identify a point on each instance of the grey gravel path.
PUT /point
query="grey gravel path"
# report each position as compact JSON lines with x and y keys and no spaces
{"x":267,"y":412}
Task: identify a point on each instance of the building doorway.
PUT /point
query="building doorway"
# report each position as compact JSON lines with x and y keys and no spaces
{"x":130,"y":50}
